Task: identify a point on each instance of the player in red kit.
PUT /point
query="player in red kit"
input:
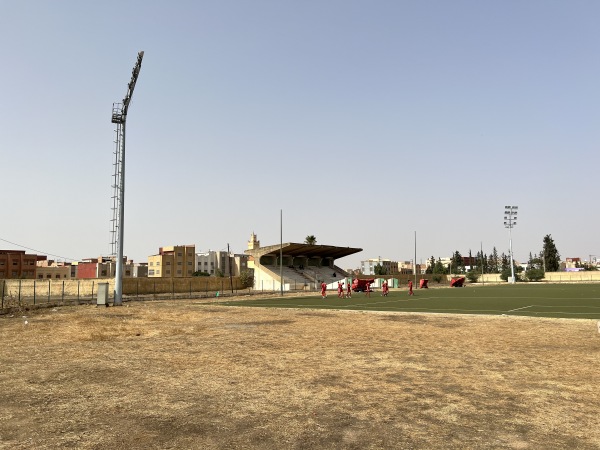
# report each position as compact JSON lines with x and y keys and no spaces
{"x":384,"y":289}
{"x":410,"y":291}
{"x":349,"y":290}
{"x":323,"y":290}
{"x":368,"y":289}
{"x":340,"y":290}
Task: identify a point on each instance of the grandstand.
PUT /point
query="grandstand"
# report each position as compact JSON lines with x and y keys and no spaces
{"x":302,"y":266}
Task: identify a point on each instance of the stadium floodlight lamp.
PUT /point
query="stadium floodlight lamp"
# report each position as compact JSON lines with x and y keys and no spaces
{"x":510,"y":221}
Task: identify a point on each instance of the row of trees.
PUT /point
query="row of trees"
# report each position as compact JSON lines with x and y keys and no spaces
{"x":547,"y":260}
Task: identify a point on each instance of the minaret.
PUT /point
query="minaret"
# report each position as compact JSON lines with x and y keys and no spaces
{"x":253,"y":243}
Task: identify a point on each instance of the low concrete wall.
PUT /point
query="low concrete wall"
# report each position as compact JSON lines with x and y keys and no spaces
{"x":145,"y":286}
{"x":551,"y":277}
{"x":573,"y":277}
{"x":52,"y":288}
{"x":88,"y":288}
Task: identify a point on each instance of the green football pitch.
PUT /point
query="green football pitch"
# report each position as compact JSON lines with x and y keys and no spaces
{"x":580,"y":301}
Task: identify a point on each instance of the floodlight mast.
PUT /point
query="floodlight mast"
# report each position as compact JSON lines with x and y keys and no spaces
{"x":119,"y":116}
{"x":510,"y":220}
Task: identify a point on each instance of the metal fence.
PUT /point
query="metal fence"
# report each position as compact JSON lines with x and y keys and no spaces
{"x":35,"y":292}
{"x":22,"y":294}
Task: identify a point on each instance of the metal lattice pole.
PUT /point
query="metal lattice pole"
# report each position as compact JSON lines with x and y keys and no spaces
{"x":119,"y":116}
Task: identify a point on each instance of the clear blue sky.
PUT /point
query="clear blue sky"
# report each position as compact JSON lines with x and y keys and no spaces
{"x":365,"y":121}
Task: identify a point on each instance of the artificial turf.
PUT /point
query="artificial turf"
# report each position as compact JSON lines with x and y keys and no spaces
{"x":580,"y":301}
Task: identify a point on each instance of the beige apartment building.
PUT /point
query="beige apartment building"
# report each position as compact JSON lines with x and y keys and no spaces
{"x":50,"y":269}
{"x":177,"y":261}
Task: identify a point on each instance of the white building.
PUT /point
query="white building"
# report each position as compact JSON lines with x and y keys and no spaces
{"x":214,"y":262}
{"x":368,"y":267}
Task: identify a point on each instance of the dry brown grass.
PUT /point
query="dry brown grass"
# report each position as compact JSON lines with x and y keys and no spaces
{"x":189,"y":374}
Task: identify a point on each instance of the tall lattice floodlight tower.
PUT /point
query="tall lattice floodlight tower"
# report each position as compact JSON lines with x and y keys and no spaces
{"x":119,"y":116}
{"x":510,"y":221}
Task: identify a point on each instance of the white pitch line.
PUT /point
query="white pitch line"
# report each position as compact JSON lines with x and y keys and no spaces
{"x":524,"y":307}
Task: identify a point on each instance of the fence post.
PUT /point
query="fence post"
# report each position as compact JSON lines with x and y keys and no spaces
{"x":172,"y":288}
{"x":92,"y":291}
{"x":137,"y":289}
{"x":63,"y":293}
{"x":154,"y":289}
{"x":3,"y":289}
{"x":34,"y":291}
{"x":19,"y":291}
{"x":48,"y":291}
{"x":190,"y":288}
{"x":78,"y":281}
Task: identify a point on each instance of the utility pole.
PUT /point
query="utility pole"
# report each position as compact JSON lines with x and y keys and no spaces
{"x":415,"y":265}
{"x":281,"y":250}
{"x":230,"y":276}
{"x":119,"y":116}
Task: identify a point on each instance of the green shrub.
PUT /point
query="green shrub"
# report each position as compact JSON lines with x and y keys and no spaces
{"x":246,"y":278}
{"x":535,"y":274}
{"x":473,"y":276}
{"x":201,"y":274}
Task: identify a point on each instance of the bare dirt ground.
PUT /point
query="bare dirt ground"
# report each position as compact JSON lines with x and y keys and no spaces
{"x":196,"y":375}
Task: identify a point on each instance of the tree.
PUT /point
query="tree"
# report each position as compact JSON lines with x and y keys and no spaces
{"x":246,"y":278}
{"x":439,"y":268}
{"x":379,"y":269}
{"x":431,"y":265}
{"x":535,"y":262}
{"x":201,"y":274}
{"x":504,"y":263}
{"x":550,"y":255}
{"x":482,"y":262}
{"x":457,"y":262}
{"x":494,"y":262}
{"x":310,"y":240}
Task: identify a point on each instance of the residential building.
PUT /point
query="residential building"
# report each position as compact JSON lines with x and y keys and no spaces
{"x":406,"y":267}
{"x":140,"y":270}
{"x":173,"y":262}
{"x":220,"y":262}
{"x":572,"y":263}
{"x":102,"y":267}
{"x":368,"y":267}
{"x":206,"y":262}
{"x":51,"y":269}
{"x":18,"y":264}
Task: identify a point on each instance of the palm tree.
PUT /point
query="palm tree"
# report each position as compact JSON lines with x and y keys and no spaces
{"x":310,"y":240}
